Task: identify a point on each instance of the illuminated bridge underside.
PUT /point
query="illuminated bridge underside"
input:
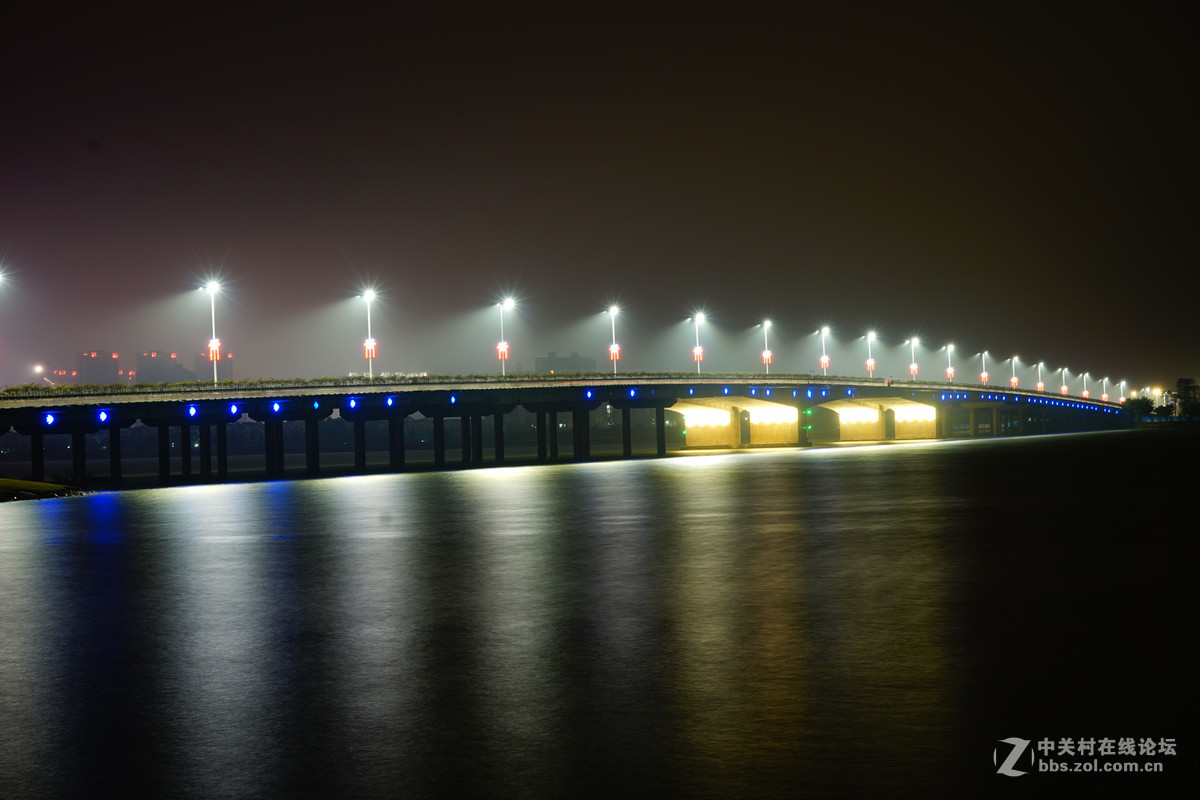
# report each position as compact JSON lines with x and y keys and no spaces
{"x":883,"y":418}
{"x":738,"y":422}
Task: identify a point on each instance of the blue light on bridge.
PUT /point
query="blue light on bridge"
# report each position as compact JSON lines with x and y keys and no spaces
{"x":191,"y":411}
{"x":453,"y":399}
{"x":353,"y":403}
{"x":726,"y":390}
{"x":49,"y":419}
{"x":589,"y":394}
{"x":633,"y":392}
{"x":275,"y":407}
{"x":316,"y":404}
{"x":768,"y":392}
{"x":691,"y":391}
{"x":103,"y":415}
{"x":753,"y":391}
{"x":389,"y":401}
{"x":233,"y":409}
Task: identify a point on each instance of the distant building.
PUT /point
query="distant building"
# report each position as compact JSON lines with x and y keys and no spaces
{"x":98,"y":367}
{"x":159,"y":366}
{"x":555,"y":363}
{"x":204,"y":366}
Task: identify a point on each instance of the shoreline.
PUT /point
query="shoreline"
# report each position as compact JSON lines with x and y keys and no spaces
{"x":12,"y":490}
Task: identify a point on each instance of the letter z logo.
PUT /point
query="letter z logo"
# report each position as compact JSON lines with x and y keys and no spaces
{"x":1018,"y":747}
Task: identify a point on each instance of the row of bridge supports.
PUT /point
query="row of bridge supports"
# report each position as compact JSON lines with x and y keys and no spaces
{"x":212,"y":439}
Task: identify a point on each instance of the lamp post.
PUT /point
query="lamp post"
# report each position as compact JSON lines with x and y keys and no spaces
{"x":698,"y":351}
{"x":1063,"y":389}
{"x":913,"y":368}
{"x":1122,"y":391}
{"x":1041,"y":387}
{"x":1013,"y":381}
{"x":1085,"y":394}
{"x":369,"y":342}
{"x":870,"y":360}
{"x":824,"y":358}
{"x":214,"y":344}
{"x":983,"y":373}
{"x":614,"y":349}
{"x":766,"y":353}
{"x":1104,"y":389}
{"x":949,"y":363}
{"x":502,"y":348}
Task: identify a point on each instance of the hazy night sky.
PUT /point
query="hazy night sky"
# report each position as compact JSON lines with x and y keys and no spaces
{"x":1005,"y":176}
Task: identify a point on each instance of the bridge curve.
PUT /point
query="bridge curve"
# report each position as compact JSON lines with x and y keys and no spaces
{"x":716,"y":411}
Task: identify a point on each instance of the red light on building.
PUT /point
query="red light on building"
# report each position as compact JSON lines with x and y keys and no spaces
{"x":174,"y":356}
{"x":114,"y":355}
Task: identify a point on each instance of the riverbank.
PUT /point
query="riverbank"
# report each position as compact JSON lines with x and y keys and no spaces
{"x":32,"y":490}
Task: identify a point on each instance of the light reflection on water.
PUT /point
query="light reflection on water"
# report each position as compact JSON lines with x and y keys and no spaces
{"x":713,"y":625}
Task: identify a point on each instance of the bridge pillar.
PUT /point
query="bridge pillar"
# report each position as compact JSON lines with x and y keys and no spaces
{"x":581,"y":434}
{"x":78,"y":457}
{"x":114,"y":456}
{"x":185,"y":452}
{"x":498,"y":435}
{"x":37,"y":455}
{"x":312,"y":447}
{"x":270,"y":443}
{"x":541,"y":436}
{"x":465,"y":426}
{"x":205,"y":452}
{"x":396,"y":443}
{"x":164,"y":452}
{"x":439,"y":441}
{"x":627,"y":432}
{"x":360,"y":446}
{"x":660,"y":430}
{"x":552,"y":430}
{"x":222,"y":452}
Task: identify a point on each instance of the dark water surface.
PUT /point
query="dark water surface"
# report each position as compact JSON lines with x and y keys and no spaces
{"x":853,"y":621}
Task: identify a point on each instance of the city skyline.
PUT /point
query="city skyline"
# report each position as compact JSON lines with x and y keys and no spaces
{"x":1013,"y":179}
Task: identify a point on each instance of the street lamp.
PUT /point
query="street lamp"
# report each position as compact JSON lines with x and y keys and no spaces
{"x":1041,"y":387}
{"x":1064,"y":389}
{"x":1104,"y":389}
{"x":1013,"y":381}
{"x":614,"y":349}
{"x":698,"y":351}
{"x":1122,"y":391}
{"x":870,"y":361}
{"x":214,"y":344}
{"x":912,"y":367}
{"x":502,"y":348}
{"x":766,"y":353}
{"x":983,"y":373}
{"x":949,"y":363}
{"x":1085,"y":393}
{"x":824,"y":358}
{"x":369,"y":342}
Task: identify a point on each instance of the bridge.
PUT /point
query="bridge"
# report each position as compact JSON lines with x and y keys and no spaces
{"x":713,"y":411}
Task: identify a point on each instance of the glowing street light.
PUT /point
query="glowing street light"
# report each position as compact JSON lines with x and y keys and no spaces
{"x":1041,"y":387}
{"x":983,"y":373}
{"x":1104,"y":389}
{"x":698,"y":351}
{"x":913,"y":368}
{"x":766,"y":353}
{"x":1063,"y":389}
{"x":369,"y":342}
{"x":1122,"y":392}
{"x":949,"y":363}
{"x":214,"y":344}
{"x":502,"y":348}
{"x":1013,"y":381}
{"x":824,"y":358}
{"x":614,"y":349}
{"x":870,"y":361}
